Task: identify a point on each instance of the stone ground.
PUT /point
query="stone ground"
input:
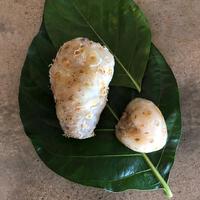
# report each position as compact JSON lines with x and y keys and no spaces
{"x":176,"y":31}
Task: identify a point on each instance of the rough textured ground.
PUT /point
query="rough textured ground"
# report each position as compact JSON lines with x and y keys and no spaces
{"x":176,"y":31}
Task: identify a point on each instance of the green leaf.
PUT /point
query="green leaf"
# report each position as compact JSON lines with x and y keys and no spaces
{"x":118,"y":24}
{"x":101,"y":161}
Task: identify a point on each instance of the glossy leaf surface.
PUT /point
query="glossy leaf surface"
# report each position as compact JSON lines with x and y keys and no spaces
{"x":100,"y":161}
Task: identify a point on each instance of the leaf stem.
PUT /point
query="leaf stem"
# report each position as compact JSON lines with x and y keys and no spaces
{"x":166,"y":187}
{"x":113,"y":113}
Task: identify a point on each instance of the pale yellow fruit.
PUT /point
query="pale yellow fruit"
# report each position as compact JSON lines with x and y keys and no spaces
{"x":142,"y":127}
{"x":79,"y":76}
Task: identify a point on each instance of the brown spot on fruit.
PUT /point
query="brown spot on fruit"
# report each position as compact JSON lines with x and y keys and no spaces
{"x":69,"y":82}
{"x":76,"y":52}
{"x":137,"y":139}
{"x":70,"y":98}
{"x":151,"y":141}
{"x":57,"y":75}
{"x":65,"y":62}
{"x":101,"y":70}
{"x":89,"y":116}
{"x":157,"y":123}
{"x":146,"y":113}
{"x":103,"y":91}
{"x":87,"y":84}
{"x":92,"y":57}
{"x":66,"y":46}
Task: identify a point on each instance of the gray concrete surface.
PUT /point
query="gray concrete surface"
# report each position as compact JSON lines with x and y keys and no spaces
{"x":176,"y":31}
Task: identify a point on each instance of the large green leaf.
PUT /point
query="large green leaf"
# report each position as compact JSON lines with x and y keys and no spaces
{"x":118,"y":24}
{"x":100,"y":161}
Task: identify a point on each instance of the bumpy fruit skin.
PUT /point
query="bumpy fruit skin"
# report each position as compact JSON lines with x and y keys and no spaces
{"x":79,"y":77}
{"x":142,"y":127}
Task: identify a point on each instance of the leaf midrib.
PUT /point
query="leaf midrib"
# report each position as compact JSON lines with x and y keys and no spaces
{"x":101,"y":39}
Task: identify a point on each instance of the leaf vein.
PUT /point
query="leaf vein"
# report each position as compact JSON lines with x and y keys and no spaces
{"x":101,"y":39}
